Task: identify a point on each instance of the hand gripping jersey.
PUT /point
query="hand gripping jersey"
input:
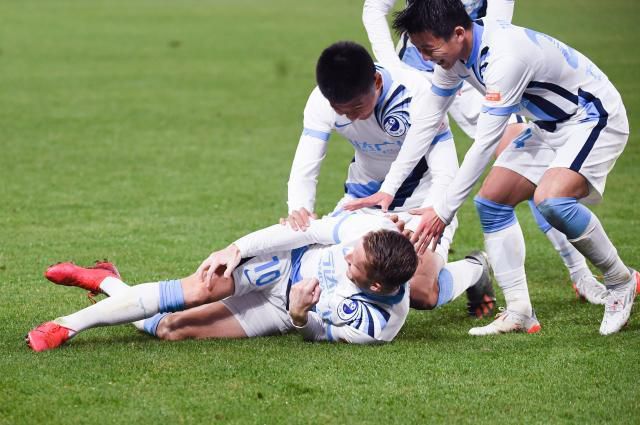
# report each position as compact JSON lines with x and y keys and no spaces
{"x":521,"y":71}
{"x":376,"y":142}
{"x":344,"y":312}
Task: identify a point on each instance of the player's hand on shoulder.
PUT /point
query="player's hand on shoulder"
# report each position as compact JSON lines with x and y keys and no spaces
{"x":381,"y":199}
{"x":220,"y":263}
{"x":299,"y":219}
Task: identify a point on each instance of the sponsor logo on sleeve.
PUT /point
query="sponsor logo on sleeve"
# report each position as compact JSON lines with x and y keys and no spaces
{"x":493,"y":94}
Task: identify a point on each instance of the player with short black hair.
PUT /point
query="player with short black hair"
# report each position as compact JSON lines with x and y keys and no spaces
{"x":440,"y":18}
{"x":375,"y":116}
{"x":345,"y":71}
{"x":579,"y":128}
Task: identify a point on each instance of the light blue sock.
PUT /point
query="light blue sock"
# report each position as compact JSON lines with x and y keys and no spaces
{"x":542,"y":223}
{"x":445,"y":285}
{"x":171,"y":296}
{"x":150,"y":325}
{"x":566,"y":215}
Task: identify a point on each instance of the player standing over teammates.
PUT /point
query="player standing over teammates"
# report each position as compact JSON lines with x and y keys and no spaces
{"x":579,"y":130}
{"x":344,"y":279}
{"x":372,"y":107}
{"x":465,"y":110}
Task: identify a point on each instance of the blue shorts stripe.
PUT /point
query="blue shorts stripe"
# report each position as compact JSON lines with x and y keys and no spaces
{"x":595,"y":133}
{"x":501,"y":111}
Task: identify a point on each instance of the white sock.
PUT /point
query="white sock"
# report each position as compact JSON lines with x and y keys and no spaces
{"x":573,"y":260}
{"x":465,"y":274}
{"x":506,"y":251}
{"x":596,"y":246}
{"x":137,"y":302}
{"x":112,"y":286}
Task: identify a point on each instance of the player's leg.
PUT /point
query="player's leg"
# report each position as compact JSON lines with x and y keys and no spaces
{"x":257,"y":306}
{"x":137,"y":302}
{"x":584,"y":283}
{"x":557,"y":200}
{"x":212,"y":320}
{"x":501,"y":191}
{"x":579,"y":171}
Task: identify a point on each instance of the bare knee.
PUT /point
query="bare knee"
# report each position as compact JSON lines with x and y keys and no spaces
{"x":424,"y":283}
{"x":423,"y":299}
{"x":506,"y":187}
{"x":196,"y":292}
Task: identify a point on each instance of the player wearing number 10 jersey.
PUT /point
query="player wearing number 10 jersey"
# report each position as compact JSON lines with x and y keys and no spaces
{"x":344,"y":279}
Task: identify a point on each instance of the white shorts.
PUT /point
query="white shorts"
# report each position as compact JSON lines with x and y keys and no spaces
{"x":411,"y":223}
{"x":588,"y":148}
{"x":259,"y":302}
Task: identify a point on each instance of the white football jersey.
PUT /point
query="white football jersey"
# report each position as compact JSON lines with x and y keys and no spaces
{"x":344,"y":312}
{"x":519,"y":71}
{"x":494,"y":9}
{"x":376,"y":142}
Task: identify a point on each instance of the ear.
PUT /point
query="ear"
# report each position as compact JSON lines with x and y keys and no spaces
{"x":378,"y":80}
{"x":376,"y":287}
{"x":459,"y":33}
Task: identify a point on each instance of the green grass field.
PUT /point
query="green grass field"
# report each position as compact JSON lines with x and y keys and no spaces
{"x":152,"y":132}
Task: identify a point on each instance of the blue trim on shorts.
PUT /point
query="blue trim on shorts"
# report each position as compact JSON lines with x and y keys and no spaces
{"x":595,"y":111}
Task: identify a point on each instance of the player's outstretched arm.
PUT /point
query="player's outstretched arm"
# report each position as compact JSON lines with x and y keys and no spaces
{"x":374,"y":18}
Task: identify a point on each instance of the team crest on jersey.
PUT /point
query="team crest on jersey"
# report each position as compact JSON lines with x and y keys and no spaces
{"x":347,"y":309}
{"x":396,"y":125}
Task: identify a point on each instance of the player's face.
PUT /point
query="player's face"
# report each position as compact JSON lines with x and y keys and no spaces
{"x":356,"y":262}
{"x":362,"y":106}
{"x":443,"y":52}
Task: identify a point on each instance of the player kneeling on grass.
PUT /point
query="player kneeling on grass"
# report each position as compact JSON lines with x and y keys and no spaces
{"x":344,"y":279}
{"x":372,"y":106}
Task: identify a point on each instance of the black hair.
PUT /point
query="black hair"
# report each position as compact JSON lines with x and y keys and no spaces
{"x":391,"y":258}
{"x":345,"y":71}
{"x":439,"y":17}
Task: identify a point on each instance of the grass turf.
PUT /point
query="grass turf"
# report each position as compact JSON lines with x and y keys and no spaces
{"x":151,"y":132}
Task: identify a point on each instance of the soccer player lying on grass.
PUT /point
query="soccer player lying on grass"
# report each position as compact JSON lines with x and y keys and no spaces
{"x":562,"y":159}
{"x":372,"y":107}
{"x":465,"y":110}
{"x":344,"y":279}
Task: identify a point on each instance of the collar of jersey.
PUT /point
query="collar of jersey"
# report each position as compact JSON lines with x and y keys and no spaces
{"x":386,"y":84}
{"x":478,"y":30}
{"x":384,"y":299}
